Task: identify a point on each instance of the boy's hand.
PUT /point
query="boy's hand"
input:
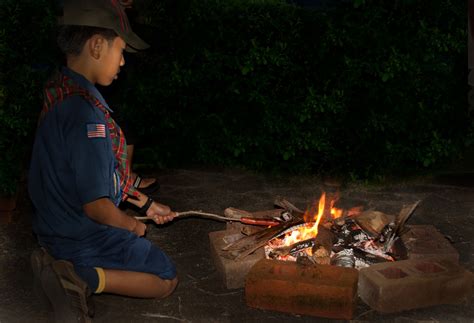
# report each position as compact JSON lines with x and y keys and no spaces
{"x":140,"y":229}
{"x":160,"y":213}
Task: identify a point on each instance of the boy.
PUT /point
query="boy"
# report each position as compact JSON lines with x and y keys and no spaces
{"x":79,"y":174}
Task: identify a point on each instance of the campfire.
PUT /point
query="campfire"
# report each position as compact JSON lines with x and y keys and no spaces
{"x":317,"y":262}
{"x":326,"y":234}
{"x":328,"y":237}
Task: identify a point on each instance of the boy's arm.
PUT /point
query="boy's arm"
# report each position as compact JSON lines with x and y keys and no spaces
{"x":105,"y":212}
{"x":158,"y":212}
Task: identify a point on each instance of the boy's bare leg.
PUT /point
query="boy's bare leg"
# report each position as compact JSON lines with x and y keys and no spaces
{"x":136,"y":284}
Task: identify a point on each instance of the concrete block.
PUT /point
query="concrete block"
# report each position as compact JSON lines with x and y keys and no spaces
{"x":426,"y":242}
{"x":233,"y":272}
{"x":320,"y":290}
{"x":408,"y":284}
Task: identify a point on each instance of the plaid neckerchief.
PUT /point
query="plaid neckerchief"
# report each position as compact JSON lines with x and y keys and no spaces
{"x":59,"y":88}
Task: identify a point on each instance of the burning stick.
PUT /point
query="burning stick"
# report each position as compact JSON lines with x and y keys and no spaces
{"x":320,"y":245}
{"x":291,"y":249}
{"x":246,"y":245}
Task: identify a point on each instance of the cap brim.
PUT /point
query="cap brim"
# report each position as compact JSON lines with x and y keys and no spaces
{"x":129,"y":49}
{"x":134,"y":43}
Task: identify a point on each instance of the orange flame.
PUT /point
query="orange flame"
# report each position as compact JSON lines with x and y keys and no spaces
{"x":307,"y":232}
{"x":311,"y":231}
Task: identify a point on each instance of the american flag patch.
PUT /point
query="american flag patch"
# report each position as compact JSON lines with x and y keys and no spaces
{"x":95,"y":130}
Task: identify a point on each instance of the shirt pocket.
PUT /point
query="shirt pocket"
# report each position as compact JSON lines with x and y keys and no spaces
{"x":117,"y":191}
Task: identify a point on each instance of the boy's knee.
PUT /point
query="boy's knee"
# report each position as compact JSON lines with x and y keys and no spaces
{"x":172,"y":286}
{"x":169,"y":289}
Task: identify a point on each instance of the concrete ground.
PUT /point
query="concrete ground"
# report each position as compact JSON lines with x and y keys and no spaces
{"x":447,"y":203}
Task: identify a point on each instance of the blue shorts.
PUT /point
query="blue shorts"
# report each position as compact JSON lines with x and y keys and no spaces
{"x":114,"y":248}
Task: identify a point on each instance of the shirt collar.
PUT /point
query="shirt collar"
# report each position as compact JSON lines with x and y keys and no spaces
{"x":86,"y":84}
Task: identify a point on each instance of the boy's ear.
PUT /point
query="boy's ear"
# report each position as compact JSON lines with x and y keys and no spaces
{"x":95,"y":46}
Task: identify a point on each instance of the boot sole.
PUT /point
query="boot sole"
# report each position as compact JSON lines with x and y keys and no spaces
{"x":67,"y":292}
{"x":39,"y":259}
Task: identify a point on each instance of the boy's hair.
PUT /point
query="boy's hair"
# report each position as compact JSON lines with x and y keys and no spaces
{"x":71,"y":38}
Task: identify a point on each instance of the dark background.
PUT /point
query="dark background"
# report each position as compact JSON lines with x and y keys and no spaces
{"x":361,"y":89}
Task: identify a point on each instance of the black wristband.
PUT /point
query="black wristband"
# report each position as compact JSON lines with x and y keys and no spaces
{"x":146,"y":206}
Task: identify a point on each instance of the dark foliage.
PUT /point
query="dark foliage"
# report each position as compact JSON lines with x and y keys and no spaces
{"x":26,"y":53}
{"x":362,"y":87}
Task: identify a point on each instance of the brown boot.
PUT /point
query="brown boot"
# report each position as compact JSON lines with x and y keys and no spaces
{"x":40,"y":259}
{"x":69,"y":294}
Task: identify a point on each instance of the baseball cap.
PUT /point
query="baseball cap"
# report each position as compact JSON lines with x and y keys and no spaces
{"x":105,"y":14}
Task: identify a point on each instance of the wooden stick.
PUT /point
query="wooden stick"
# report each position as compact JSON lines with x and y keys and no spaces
{"x":187,"y":213}
{"x":283,"y":203}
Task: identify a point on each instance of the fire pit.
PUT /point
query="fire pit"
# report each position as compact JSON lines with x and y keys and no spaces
{"x":325,"y":234}
{"x":318,"y":254}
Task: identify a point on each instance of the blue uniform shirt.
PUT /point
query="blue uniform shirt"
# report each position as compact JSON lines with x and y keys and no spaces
{"x":72,"y":164}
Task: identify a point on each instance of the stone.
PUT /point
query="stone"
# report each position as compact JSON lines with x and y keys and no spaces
{"x":426,"y":242}
{"x":409,"y":284}
{"x":318,"y":290}
{"x":233,"y":272}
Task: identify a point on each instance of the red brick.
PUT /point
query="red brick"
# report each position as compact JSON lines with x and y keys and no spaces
{"x":320,"y":290}
{"x":426,"y":242}
{"x":233,"y":272}
{"x":409,"y":284}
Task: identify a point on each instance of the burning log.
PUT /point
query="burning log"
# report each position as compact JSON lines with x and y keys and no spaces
{"x":292,"y":249}
{"x":321,"y":251}
{"x":317,"y":249}
{"x":246,"y":245}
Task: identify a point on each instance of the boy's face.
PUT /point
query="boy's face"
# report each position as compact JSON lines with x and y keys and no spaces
{"x":111,"y":58}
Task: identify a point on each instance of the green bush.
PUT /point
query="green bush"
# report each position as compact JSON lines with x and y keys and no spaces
{"x":25,"y":51}
{"x":366,"y":88}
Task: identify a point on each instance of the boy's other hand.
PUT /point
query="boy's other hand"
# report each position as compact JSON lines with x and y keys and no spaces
{"x":140,"y":229}
{"x":160,"y":213}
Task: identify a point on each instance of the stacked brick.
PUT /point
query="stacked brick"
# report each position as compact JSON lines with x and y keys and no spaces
{"x":321,"y":290}
{"x":430,"y":276}
{"x":409,"y":284}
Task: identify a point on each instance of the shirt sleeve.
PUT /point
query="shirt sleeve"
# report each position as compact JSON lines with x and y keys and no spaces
{"x":88,"y":148}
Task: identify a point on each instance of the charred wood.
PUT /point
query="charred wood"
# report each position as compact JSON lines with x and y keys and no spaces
{"x":247,"y":245}
{"x":285,"y":204}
